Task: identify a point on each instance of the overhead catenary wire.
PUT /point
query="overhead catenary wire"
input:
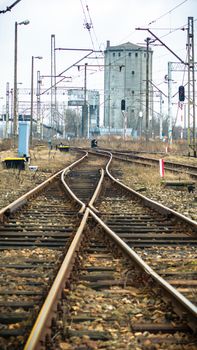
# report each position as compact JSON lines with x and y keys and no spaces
{"x":9,"y":8}
{"x":166,"y":13}
{"x":88,"y":24}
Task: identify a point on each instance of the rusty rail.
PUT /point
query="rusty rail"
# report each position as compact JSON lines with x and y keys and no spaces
{"x":149,"y":202}
{"x":181,"y":300}
{"x":19,"y":202}
{"x":24,"y":198}
{"x":96,"y":193}
{"x":42,"y":325}
{"x":43,"y":322}
{"x":65,"y":171}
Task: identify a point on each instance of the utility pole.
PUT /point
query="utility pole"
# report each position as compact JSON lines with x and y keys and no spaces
{"x":109,"y":100}
{"x":15,"y":121}
{"x":184,"y":127}
{"x":84,"y":114}
{"x":32,"y":97}
{"x":191,"y":87}
{"x":178,"y":66}
{"x":161,"y":93}
{"x":7,"y":110}
{"x":170,"y":102}
{"x":53,"y":84}
{"x":161,"y":117}
{"x":12,"y":110}
{"x":125,"y":123}
{"x":147,"y":87}
{"x":32,"y":100}
{"x":38,"y":105}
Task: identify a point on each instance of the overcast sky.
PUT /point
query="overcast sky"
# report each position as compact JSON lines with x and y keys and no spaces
{"x":113,"y":20}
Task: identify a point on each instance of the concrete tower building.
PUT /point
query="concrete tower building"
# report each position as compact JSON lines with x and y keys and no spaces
{"x":125,"y":79}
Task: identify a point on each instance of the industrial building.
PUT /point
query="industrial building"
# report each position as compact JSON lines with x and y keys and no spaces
{"x":126,"y":68}
{"x":92,"y":115}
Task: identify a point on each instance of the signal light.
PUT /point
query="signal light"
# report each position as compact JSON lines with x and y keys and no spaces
{"x":122,"y":105}
{"x":181,"y":93}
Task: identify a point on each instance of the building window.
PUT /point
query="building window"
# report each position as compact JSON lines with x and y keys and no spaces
{"x":133,"y":92}
{"x":114,"y":54}
{"x":119,"y":54}
{"x":129,"y":54}
{"x":132,"y":111}
{"x":144,"y":55}
{"x":133,"y":72}
{"x":136,"y":54}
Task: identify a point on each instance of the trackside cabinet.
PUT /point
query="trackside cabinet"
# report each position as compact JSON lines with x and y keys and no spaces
{"x":23,"y":139}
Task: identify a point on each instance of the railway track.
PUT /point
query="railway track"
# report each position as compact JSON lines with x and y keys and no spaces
{"x":135,"y":158}
{"x":98,"y":268}
{"x":82,"y":180}
{"x":33,"y":242}
{"x":153,"y":231}
{"x":103,"y":299}
{"x":104,"y":302}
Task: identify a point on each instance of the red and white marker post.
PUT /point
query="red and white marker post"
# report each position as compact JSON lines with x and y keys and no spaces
{"x":161,"y":167}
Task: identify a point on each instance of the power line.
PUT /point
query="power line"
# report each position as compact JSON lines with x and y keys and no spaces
{"x":166,"y":13}
{"x":88,"y":24}
{"x":8,"y":8}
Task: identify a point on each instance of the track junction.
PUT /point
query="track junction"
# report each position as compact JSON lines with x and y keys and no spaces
{"x":87,"y":262}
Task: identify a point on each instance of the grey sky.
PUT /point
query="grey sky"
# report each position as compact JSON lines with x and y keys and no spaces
{"x":112,"y":20}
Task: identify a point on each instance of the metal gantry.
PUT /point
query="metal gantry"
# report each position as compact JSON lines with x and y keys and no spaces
{"x":191,"y":125}
{"x":191,"y":84}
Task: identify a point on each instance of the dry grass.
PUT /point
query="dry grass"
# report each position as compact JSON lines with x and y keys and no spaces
{"x":151,"y":176}
{"x":13,"y":182}
{"x":115,"y":142}
{"x":49,"y":159}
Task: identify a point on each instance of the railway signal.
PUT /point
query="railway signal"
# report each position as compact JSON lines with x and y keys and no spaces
{"x":181,"y":93}
{"x":122,"y":105}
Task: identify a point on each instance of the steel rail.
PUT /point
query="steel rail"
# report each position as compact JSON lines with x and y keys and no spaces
{"x":65,"y":171}
{"x":42,"y":325}
{"x":96,"y":193}
{"x":183,"y":301}
{"x":169,"y":165}
{"x":149,"y":202}
{"x":43,"y":322}
{"x":22,"y":200}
